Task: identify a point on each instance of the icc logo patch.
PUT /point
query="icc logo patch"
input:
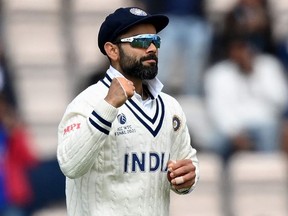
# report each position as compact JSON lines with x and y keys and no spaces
{"x":176,"y":123}
{"x":121,"y":118}
{"x":123,"y":128}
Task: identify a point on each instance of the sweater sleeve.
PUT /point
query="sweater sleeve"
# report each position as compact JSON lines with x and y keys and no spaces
{"x":81,"y":135}
{"x":184,"y":150}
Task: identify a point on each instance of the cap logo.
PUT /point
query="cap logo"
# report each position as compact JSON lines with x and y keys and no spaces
{"x":138,"y":12}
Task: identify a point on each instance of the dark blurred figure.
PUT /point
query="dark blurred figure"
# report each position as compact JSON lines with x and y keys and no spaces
{"x":6,"y":72}
{"x":284,"y":133}
{"x":282,"y":52}
{"x":185,"y":44}
{"x":6,"y":79}
{"x":246,"y":95}
{"x":17,"y":159}
{"x":250,"y":18}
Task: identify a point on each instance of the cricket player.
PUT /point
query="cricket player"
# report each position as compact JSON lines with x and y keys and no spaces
{"x":122,"y":143}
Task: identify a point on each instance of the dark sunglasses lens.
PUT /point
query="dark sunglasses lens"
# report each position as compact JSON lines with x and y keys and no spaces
{"x":157,"y":42}
{"x":141,"y":43}
{"x":145,"y":42}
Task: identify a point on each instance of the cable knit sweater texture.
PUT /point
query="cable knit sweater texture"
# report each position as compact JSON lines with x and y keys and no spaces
{"x":115,"y":159}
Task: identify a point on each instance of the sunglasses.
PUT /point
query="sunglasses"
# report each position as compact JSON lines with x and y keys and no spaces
{"x":142,"y":40}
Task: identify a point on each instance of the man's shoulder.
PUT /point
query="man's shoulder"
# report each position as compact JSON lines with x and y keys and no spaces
{"x":166,"y":96}
{"x":169,"y":100}
{"x":90,"y":95}
{"x":93,"y":90}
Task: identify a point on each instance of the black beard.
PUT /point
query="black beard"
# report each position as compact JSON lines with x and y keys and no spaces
{"x":135,"y":68}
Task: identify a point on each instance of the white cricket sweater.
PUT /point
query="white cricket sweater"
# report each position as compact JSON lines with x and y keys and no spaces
{"x":114,"y":159}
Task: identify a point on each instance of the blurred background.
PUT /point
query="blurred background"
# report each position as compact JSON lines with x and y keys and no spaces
{"x":226,"y":61}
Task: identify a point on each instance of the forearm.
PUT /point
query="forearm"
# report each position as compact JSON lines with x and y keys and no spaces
{"x":80,"y":137}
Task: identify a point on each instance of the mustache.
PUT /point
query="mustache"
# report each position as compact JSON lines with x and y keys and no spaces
{"x":149,"y":57}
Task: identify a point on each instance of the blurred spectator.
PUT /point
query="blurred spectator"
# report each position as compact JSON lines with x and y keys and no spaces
{"x":245,"y":95}
{"x":16,"y":160}
{"x":250,"y":18}
{"x":185,"y":44}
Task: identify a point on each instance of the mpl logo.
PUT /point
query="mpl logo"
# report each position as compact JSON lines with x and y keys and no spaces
{"x":72,"y":127}
{"x":121,"y":118}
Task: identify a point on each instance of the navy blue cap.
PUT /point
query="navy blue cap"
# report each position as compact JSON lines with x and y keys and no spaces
{"x":124,"y":18}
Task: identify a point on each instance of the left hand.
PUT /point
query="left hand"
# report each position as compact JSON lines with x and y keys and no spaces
{"x":181,"y":174}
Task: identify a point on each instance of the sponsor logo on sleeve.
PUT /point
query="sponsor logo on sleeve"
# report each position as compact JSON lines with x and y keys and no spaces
{"x":72,"y":127}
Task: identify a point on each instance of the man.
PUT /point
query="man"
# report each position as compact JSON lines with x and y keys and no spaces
{"x":246,"y":95}
{"x":119,"y":137}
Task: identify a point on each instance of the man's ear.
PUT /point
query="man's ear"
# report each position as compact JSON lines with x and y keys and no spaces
{"x":111,"y":50}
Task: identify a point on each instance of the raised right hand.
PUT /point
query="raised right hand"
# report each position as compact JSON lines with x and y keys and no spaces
{"x":120,"y":90}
